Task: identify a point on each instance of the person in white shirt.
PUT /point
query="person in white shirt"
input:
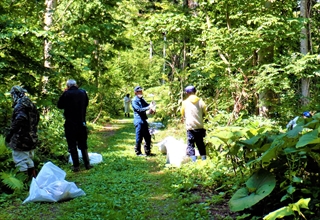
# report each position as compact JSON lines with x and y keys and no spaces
{"x":127,"y":102}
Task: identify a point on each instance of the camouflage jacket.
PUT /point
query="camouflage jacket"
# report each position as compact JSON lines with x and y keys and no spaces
{"x":24,"y":125}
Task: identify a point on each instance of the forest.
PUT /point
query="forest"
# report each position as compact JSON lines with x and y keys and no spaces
{"x":255,"y":64}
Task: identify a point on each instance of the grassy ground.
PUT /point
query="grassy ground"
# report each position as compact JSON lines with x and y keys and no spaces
{"x":123,"y":186}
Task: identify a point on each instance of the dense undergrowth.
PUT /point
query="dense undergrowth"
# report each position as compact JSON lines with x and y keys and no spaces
{"x":124,"y":186}
{"x":255,"y":168}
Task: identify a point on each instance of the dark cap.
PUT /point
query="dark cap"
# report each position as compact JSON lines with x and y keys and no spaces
{"x":190,"y":89}
{"x":137,"y":89}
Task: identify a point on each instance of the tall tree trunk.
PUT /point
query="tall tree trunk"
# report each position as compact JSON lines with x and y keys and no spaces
{"x":265,"y":56}
{"x":304,"y":49}
{"x":96,"y":63}
{"x":266,"y":97}
{"x":50,"y":5}
{"x":164,"y":57}
{"x":150,"y":50}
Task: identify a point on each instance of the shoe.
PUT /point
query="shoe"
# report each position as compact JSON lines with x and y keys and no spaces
{"x":141,"y":155}
{"x":151,"y":155}
{"x":75,"y":169}
{"x":193,"y":158}
{"x":89,"y":167}
{"x":32,"y":172}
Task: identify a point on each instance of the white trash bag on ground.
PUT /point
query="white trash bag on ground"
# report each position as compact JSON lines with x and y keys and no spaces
{"x":50,"y":186}
{"x":176,"y":151}
{"x":93,"y":157}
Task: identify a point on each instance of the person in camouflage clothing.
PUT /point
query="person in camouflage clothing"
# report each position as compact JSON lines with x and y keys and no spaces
{"x":22,"y":136}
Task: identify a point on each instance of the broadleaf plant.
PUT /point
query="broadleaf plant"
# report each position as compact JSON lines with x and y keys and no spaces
{"x":288,"y":210}
{"x":258,"y":186}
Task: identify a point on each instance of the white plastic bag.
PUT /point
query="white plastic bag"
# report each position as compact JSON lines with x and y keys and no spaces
{"x":93,"y":157}
{"x":50,"y":186}
{"x":176,"y":151}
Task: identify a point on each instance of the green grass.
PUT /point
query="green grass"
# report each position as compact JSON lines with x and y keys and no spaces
{"x":123,"y":186}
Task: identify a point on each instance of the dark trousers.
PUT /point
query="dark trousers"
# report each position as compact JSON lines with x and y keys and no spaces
{"x":195,"y":137}
{"x":76,"y":137}
{"x":142,"y":132}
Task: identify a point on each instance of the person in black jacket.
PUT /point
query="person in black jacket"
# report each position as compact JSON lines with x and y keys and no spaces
{"x":22,"y":136}
{"x":75,"y":101}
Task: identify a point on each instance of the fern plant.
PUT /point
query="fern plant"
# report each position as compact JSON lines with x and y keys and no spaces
{"x":13,"y":180}
{"x":3,"y":148}
{"x":6,"y":162}
{"x":9,"y":176}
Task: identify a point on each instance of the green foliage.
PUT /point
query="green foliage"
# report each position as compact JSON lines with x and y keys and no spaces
{"x":289,"y":210}
{"x":53,"y":145}
{"x":3,"y":148}
{"x":258,"y":186}
{"x":129,"y":179}
{"x":10,"y":179}
{"x":291,"y":157}
{"x":13,"y":180}
{"x":233,"y":52}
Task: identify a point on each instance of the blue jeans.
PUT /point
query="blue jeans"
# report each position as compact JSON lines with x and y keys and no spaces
{"x":142,"y":132}
{"x":195,"y":137}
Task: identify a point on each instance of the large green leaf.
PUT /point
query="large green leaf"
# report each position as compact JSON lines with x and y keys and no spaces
{"x":254,"y":142}
{"x":280,"y":213}
{"x":258,"y":186}
{"x":224,"y":135}
{"x":295,"y":132}
{"x":274,"y":149}
{"x":288,"y":210}
{"x":281,"y":142}
{"x":229,"y":134}
{"x":308,"y":138}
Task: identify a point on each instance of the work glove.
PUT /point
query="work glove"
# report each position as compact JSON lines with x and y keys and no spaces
{"x":152,"y":106}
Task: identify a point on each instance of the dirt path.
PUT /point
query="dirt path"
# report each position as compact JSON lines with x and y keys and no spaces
{"x":159,"y":182}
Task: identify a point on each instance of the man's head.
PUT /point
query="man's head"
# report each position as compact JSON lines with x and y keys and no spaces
{"x":71,"y":82}
{"x":17,"y":92}
{"x":138,"y":91}
{"x":190,"y":90}
{"x":306,"y":114}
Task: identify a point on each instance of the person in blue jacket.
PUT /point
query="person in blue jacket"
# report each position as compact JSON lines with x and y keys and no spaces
{"x":140,"y":108}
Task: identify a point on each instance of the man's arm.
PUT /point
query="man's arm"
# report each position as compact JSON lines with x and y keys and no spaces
{"x":204,"y":107}
{"x":61,"y":102}
{"x":137,"y":106}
